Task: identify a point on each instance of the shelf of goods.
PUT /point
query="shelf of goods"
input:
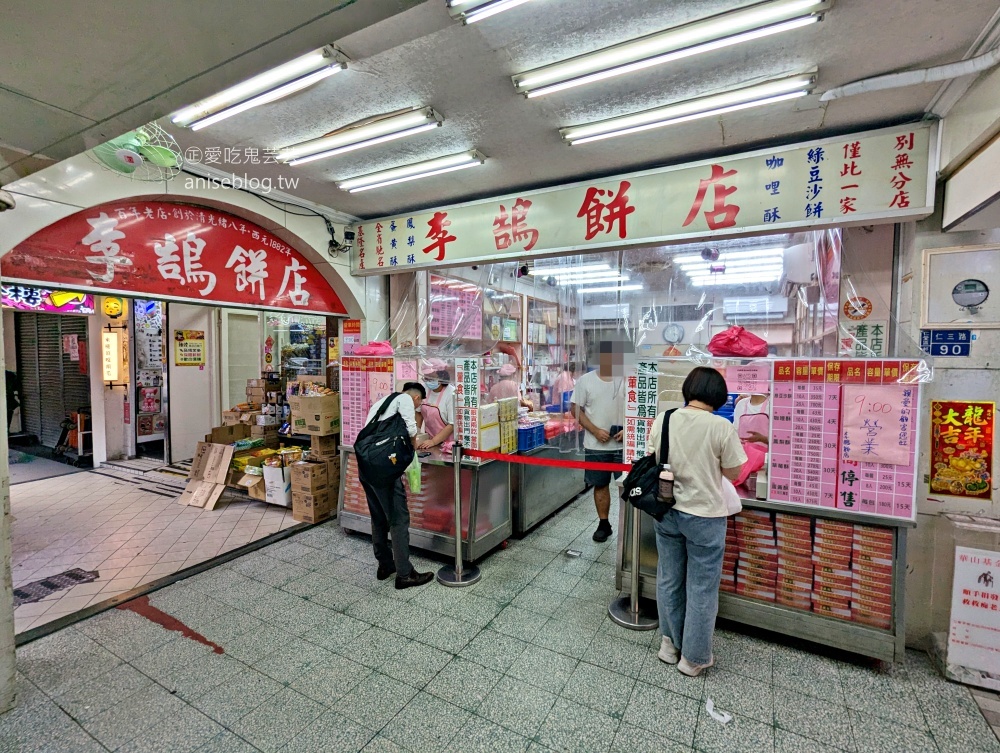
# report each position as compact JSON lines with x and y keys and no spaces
{"x":486,"y":498}
{"x":828,"y":576}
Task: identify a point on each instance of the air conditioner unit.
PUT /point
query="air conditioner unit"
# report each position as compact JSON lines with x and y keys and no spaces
{"x":800,"y":263}
{"x":755,"y":308}
{"x":606,"y":312}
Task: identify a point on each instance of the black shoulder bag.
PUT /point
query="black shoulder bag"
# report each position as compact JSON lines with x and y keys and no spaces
{"x":383,"y":448}
{"x":642,"y":484}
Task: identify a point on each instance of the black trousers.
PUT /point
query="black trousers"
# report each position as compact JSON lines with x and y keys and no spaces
{"x":390,"y":518}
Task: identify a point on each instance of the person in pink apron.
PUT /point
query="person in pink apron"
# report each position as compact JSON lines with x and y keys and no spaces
{"x":751,"y":416}
{"x":438,"y":410}
{"x":507,"y":386}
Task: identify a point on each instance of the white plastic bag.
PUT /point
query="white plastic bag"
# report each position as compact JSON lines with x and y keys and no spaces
{"x":732,"y":498}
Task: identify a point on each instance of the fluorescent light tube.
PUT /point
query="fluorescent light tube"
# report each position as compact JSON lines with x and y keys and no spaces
{"x":724,"y":279}
{"x":610,"y":289}
{"x":481,"y":10}
{"x":370,"y":134}
{"x":725,"y":256}
{"x":266,"y":87}
{"x":406,"y":173}
{"x":590,"y":273}
{"x":590,"y":279}
{"x":561,"y":270}
{"x":716,"y":32}
{"x":690,"y":267}
{"x":745,"y":98}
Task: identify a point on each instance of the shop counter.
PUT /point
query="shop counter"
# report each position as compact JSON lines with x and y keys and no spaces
{"x":538,"y":491}
{"x":855,"y":599}
{"x":486,"y":499}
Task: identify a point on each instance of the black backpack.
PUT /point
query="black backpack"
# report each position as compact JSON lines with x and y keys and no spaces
{"x":384,"y":449}
{"x":642,"y":484}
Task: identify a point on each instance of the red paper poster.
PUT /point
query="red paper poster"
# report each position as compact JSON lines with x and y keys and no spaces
{"x":962,"y":448}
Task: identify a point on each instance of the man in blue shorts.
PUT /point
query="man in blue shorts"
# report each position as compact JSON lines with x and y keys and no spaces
{"x":599,"y":407}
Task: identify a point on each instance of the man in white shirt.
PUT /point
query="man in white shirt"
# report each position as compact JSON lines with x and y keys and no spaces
{"x":387,"y":503}
{"x":599,"y":407}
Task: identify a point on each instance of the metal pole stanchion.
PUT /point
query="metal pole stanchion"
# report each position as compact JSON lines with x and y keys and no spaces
{"x":625,"y":610}
{"x":459,"y":575}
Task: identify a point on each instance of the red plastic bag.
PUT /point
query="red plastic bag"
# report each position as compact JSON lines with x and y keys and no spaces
{"x":736,"y":341}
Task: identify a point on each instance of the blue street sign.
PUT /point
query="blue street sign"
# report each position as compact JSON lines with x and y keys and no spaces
{"x":946,"y":342}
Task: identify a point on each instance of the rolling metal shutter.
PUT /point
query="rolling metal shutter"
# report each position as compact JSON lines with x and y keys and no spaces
{"x":51,"y":383}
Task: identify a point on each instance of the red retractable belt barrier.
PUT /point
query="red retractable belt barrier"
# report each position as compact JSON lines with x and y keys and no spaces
{"x":550,"y":462}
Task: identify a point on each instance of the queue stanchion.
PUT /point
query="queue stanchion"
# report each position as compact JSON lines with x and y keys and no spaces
{"x":625,"y":610}
{"x":459,"y":575}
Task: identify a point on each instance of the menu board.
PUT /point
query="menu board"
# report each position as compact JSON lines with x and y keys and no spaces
{"x":641,"y":395}
{"x":456,"y":309}
{"x":363,"y":381}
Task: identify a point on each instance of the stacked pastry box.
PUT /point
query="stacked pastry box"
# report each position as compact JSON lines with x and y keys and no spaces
{"x":730,"y":558}
{"x":354,"y":494}
{"x":832,"y":558}
{"x":871,"y":584}
{"x":507,"y":411}
{"x":795,"y":561}
{"x":266,"y":392}
{"x":479,"y":428}
{"x":757,"y":570}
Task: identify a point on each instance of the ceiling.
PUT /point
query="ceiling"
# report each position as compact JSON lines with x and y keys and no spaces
{"x":407,"y":54}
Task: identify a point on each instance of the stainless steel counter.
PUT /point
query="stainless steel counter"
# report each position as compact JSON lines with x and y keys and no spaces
{"x":539,"y":491}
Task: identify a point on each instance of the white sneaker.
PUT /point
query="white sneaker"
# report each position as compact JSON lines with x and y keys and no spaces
{"x":693,"y":670}
{"x":668,"y":653}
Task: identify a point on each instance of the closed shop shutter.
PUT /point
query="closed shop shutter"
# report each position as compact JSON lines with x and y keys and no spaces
{"x":27,"y":362}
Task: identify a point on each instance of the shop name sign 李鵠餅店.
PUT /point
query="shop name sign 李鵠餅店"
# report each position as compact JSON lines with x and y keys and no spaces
{"x":879,"y":175}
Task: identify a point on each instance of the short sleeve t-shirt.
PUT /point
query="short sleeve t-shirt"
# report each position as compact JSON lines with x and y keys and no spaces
{"x":445,"y":402}
{"x":604,"y":403}
{"x":701,"y":445}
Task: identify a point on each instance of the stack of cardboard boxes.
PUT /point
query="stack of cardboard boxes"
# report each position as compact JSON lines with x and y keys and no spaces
{"x":479,"y":428}
{"x":316,"y":481}
{"x":261,"y":414}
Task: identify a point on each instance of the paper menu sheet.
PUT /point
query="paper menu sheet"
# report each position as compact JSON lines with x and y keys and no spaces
{"x":363,"y":380}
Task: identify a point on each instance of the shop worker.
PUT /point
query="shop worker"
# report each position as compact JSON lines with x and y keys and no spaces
{"x":599,"y":407}
{"x":437,"y":413}
{"x":507,"y":386}
{"x":387,"y":504}
{"x":565,"y":382}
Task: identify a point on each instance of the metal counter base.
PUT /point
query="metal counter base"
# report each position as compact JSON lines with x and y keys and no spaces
{"x":538,"y":491}
{"x":885,"y":645}
{"x":485,"y":501}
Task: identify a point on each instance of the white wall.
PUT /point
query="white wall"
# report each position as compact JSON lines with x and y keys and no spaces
{"x":194,"y":391}
{"x":242,"y":353}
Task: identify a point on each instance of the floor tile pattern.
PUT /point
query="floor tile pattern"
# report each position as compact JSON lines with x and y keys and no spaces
{"x":126,"y":526}
{"x":321,"y":657}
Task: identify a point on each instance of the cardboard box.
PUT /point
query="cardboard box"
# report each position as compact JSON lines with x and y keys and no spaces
{"x":266,"y":384}
{"x":256,"y":394}
{"x":231,"y":417}
{"x":228,"y":434}
{"x":323,"y":447}
{"x":278,"y":486}
{"x":254,"y":486}
{"x":310,"y":477}
{"x":317,"y":416}
{"x":209,"y":471}
{"x":489,"y":414}
{"x":263,"y":420}
{"x":312,"y":508}
{"x":489,"y":438}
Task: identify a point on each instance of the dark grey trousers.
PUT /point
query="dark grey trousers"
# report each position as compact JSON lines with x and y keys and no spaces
{"x":390,"y":518}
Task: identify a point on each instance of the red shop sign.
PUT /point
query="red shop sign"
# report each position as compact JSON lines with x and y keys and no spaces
{"x":174,"y":251}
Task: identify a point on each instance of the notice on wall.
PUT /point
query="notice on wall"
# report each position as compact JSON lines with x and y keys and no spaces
{"x":962,"y":448}
{"x":406,"y":371}
{"x":974,"y":637}
{"x":352,"y":336}
{"x":468,"y":391}
{"x":875,"y":423}
{"x":189,"y":347}
{"x":749,"y":378}
{"x":71,"y":347}
{"x":356,"y":391}
{"x":641,"y":394}
{"x":864,"y":339}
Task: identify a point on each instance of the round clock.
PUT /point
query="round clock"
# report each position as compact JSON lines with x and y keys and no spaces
{"x":970,"y":294}
{"x":673,"y":333}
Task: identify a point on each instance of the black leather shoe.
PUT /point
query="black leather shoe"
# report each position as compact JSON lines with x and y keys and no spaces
{"x":384,"y":573}
{"x":414,"y":579}
{"x":603,"y":533}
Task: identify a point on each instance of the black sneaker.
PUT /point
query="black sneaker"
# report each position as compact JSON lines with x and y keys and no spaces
{"x":414,"y":579}
{"x":603,"y":532}
{"x":385,"y":572}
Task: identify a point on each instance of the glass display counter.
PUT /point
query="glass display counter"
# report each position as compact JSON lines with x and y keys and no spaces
{"x":486,"y":499}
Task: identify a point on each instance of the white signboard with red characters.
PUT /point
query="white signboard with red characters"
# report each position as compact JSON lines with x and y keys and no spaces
{"x":175,"y":252}
{"x":880,"y":175}
{"x":974,"y":637}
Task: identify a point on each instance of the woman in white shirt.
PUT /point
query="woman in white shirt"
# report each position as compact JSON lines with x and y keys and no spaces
{"x":691,"y":538}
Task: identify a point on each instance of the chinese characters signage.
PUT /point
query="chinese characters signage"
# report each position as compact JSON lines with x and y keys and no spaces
{"x":363,"y":382}
{"x":875,"y":176}
{"x":189,"y":347}
{"x":111,"y":356}
{"x":876,"y":423}
{"x":962,"y":448}
{"x":863,"y":340}
{"x":974,"y":637}
{"x":24,"y":298}
{"x":641,"y":395}
{"x":468,"y":391}
{"x":175,"y":251}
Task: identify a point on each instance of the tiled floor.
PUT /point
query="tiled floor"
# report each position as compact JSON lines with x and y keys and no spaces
{"x":320,"y":657}
{"x":127,"y":527}
{"x":989,"y":704}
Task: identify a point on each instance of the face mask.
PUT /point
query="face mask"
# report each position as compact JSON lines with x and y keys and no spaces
{"x":432,"y":385}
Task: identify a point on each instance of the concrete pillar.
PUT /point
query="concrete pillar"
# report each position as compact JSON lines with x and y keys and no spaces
{"x":7,"y":662}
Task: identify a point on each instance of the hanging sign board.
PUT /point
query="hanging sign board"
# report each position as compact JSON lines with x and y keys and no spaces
{"x":880,"y":175}
{"x":111,"y":356}
{"x":175,"y":252}
{"x":25,"y":298}
{"x":189,"y":347}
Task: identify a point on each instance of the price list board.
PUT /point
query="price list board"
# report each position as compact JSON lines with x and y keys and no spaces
{"x":842,"y":435}
{"x":454,"y":305}
{"x":363,"y":380}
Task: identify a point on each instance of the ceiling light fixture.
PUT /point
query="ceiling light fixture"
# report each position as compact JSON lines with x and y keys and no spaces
{"x":740,"y":279}
{"x":772,"y":92}
{"x":586,"y":273}
{"x":727,"y":256}
{"x":269,"y":86}
{"x":480,"y":9}
{"x":691,"y":267}
{"x":554,"y":271}
{"x":417,"y":170}
{"x":610,"y":289}
{"x":714,"y":33}
{"x":591,"y":279}
{"x":370,"y":133}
